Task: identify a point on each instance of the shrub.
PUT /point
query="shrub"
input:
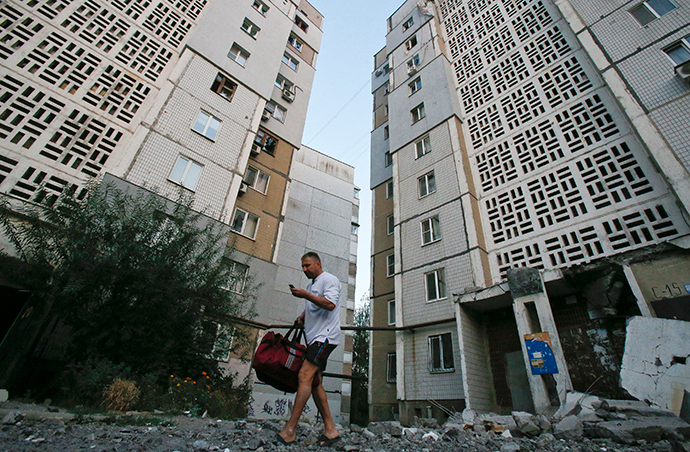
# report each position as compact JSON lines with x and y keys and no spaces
{"x":120,"y":395}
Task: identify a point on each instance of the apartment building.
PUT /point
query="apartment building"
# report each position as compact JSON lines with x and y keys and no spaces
{"x":208,"y":97}
{"x":530,"y":184}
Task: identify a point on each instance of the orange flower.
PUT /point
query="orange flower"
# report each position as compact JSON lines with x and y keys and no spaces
{"x":203,"y":373}
{"x":178,"y":384}
{"x":208,"y":387}
{"x":194,"y":382}
{"x":172,"y":376}
{"x":208,"y":377}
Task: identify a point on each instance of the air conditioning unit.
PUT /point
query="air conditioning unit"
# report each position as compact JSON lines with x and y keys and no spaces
{"x":243,"y":188}
{"x":411,"y":70}
{"x":256,"y":149}
{"x":379,"y":72}
{"x":683,"y":70}
{"x":266,"y":115}
{"x":288,"y":95}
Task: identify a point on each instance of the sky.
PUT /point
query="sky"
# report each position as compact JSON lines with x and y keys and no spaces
{"x":339,"y":118}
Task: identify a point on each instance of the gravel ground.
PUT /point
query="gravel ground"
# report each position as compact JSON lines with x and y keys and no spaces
{"x":168,"y":434}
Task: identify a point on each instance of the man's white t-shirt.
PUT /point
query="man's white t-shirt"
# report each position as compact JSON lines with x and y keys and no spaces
{"x":321,"y":324}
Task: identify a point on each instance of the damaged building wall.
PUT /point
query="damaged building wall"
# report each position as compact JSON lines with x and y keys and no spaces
{"x":655,"y":365}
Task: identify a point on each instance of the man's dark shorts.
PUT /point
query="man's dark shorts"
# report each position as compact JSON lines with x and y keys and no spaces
{"x":318,"y":353}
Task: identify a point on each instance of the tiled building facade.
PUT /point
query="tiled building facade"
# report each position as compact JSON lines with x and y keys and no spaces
{"x":207,"y":97}
{"x":518,"y":135}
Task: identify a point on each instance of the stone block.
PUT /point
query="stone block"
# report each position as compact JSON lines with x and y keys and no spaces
{"x":4,"y":395}
{"x":570,"y":427}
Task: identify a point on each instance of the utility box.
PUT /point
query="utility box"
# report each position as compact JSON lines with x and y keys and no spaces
{"x":540,"y":353}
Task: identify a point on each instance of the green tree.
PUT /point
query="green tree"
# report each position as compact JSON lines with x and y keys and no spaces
{"x":132,"y":275}
{"x":360,"y":364}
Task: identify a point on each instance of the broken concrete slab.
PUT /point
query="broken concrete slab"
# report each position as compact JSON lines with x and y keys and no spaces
{"x":392,"y":428}
{"x":632,"y":431}
{"x":654,"y":366}
{"x":578,"y":403}
{"x":527,"y":423}
{"x":570,"y":427}
{"x":632,"y":407}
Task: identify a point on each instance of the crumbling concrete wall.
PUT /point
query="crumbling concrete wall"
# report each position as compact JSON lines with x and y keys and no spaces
{"x":655,"y":367}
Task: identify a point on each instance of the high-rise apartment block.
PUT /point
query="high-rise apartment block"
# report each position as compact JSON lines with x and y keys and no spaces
{"x":530,"y":165}
{"x":209,"y":97}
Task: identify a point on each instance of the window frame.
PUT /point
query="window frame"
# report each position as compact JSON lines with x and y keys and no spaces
{"x":428,"y":182}
{"x":261,"y":140}
{"x":415,"y":85}
{"x":389,"y":189}
{"x":408,"y":23}
{"x":391,"y":368}
{"x":205,"y":129}
{"x":295,"y":42}
{"x":418,"y":113}
{"x":259,"y":6}
{"x":241,"y":231}
{"x":414,"y":61}
{"x":390,"y":265}
{"x":434,"y":229}
{"x":299,"y":21}
{"x":185,"y":172}
{"x":290,"y":61}
{"x":425,"y":141}
{"x":446,"y":358}
{"x":683,"y":43}
{"x":390,"y":224}
{"x":238,"y":279}
{"x":253,"y":183}
{"x":439,"y":278}
{"x":239,"y":54}
{"x":650,"y":10}
{"x":411,"y":42}
{"x":278,"y":112}
{"x":250,"y":28}
{"x":391,"y":312}
{"x":388,"y":158}
{"x":220,"y":83}
{"x":386,"y":133}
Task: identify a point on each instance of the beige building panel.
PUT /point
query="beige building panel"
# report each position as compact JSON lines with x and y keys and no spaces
{"x":311,"y":13}
{"x":383,"y":208}
{"x":262,"y":245}
{"x":380,"y":116}
{"x":383,"y":284}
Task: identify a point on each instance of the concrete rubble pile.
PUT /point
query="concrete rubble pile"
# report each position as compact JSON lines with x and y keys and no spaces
{"x":584,"y":423}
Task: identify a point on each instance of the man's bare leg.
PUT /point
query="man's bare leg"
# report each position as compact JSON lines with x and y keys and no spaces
{"x":306,"y":375}
{"x":321,"y":401}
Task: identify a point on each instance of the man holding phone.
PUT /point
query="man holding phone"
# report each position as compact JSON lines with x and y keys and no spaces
{"x":321,"y":320}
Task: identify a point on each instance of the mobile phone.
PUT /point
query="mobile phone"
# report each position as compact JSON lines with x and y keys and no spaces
{"x":291,"y":286}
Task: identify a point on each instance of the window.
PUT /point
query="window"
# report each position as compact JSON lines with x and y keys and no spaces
{"x":415,"y":85}
{"x":385,"y":113}
{"x":386,"y":133}
{"x":411,"y":42}
{"x":427,"y":184}
{"x":261,"y":7}
{"x":390,"y":224}
{"x":388,"y":158}
{"x":389,"y":189}
{"x":356,"y":193}
{"x":294,"y":42}
{"x":301,"y":24}
{"x":431,"y":230}
{"x":264,"y":142}
{"x":256,"y":179}
{"x":441,"y":353}
{"x":354,"y":229}
{"x":283,"y":83}
{"x":277,"y":111}
{"x":391,"y":370}
{"x":408,"y":23}
{"x":679,"y":52}
{"x":250,"y":28}
{"x":206,"y":125}
{"x":224,"y":87}
{"x":245,"y":223}
{"x":418,"y":113}
{"x":290,"y":61}
{"x":413,"y":63}
{"x":238,"y":277}
{"x":386,"y":88}
{"x":390,"y":265}
{"x":216,"y":338}
{"x":387,"y":68}
{"x":647,"y":11}
{"x":435,"y":285}
{"x":423,"y":146}
{"x":238,"y":54}
{"x":391,"y":312}
{"x":186,"y":173}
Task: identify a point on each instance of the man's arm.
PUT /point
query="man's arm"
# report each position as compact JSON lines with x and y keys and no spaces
{"x":322,"y":302}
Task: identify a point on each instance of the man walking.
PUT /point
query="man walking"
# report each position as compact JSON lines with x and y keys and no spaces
{"x":321,"y":320}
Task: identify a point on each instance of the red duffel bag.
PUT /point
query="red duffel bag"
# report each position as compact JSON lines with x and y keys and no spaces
{"x":279,"y":358}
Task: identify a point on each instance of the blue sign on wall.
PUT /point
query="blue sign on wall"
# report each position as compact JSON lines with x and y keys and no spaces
{"x":542,"y":360}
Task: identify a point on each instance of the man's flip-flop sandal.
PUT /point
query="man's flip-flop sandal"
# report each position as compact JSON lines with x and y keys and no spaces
{"x":283,"y":442}
{"x":326,"y":441}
